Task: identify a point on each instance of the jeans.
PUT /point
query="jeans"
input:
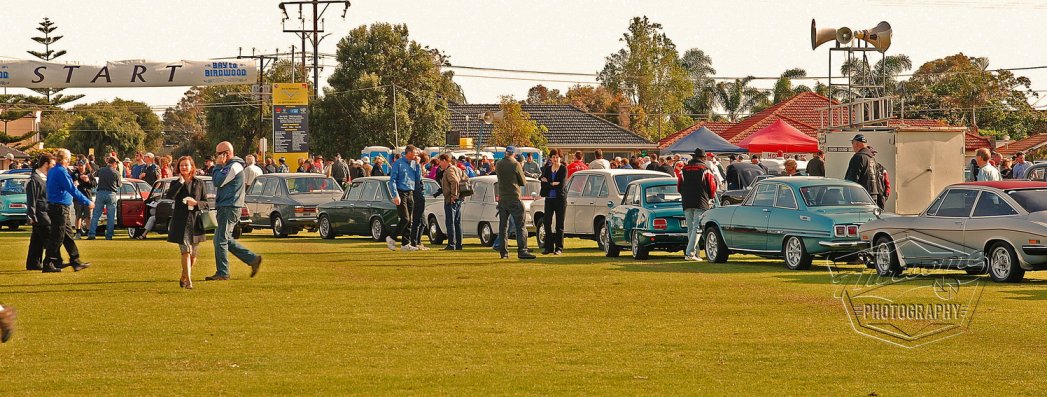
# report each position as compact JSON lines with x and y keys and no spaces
{"x":554,"y":216}
{"x":515,"y":209}
{"x":498,"y":240}
{"x":61,"y":234}
{"x":224,"y":243}
{"x":693,"y":217}
{"x":417,"y":212}
{"x":404,"y":210}
{"x":103,"y":200}
{"x":453,"y":221}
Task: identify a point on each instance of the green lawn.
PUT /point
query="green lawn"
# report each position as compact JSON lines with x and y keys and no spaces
{"x":350,"y":317}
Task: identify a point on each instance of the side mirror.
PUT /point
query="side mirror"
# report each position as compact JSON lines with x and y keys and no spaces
{"x":534,"y":194}
{"x":610,"y":204}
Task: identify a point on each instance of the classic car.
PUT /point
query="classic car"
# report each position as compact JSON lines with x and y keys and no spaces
{"x":12,"y":200}
{"x":286,"y":203}
{"x":588,"y":193}
{"x":650,"y":217}
{"x":732,"y":197}
{"x":794,"y":218}
{"x":479,"y":211}
{"x":133,"y":212}
{"x":365,"y":209}
{"x":995,"y":227}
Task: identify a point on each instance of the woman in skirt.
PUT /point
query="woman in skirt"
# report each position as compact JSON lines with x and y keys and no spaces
{"x":186,"y":227}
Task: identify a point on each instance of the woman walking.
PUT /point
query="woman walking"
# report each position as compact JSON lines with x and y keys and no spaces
{"x":553,"y":176}
{"x":186,"y":228}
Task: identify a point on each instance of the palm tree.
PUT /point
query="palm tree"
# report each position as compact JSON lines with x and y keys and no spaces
{"x":699,"y":66}
{"x":884,"y":73}
{"x":737,"y":97}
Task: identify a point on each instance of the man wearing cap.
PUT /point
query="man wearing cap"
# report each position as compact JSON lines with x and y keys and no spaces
{"x":862,"y":168}
{"x":510,"y":180}
{"x":697,"y":186}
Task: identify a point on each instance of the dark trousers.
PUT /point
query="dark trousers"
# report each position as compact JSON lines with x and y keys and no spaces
{"x":61,"y":234}
{"x":515,"y":209}
{"x":417,"y":212}
{"x":554,"y":217}
{"x":880,"y":200}
{"x":404,"y":210}
{"x":37,"y":244}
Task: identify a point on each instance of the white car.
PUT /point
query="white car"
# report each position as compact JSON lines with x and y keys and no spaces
{"x":590,"y":194}
{"x":479,"y":211}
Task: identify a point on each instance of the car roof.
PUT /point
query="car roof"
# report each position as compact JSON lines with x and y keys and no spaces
{"x":175,"y":178}
{"x":803,"y":181}
{"x":383,"y":179}
{"x":619,"y":171}
{"x":655,"y":181}
{"x":20,"y":175}
{"x":493,"y":179}
{"x":292,"y":174}
{"x":1006,"y":185}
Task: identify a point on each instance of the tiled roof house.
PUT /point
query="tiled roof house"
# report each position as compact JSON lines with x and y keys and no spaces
{"x":569,"y":127}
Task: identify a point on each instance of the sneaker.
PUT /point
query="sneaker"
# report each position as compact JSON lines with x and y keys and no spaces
{"x":558,"y":252}
{"x":525,"y":255}
{"x":7,"y":323}
{"x":89,"y":237}
{"x":408,"y":248}
{"x":691,"y":258}
{"x":422,"y":247}
{"x":79,"y":266}
{"x":255,"y":265}
{"x":448,"y":248}
{"x":216,"y":278}
{"x":389,"y":242}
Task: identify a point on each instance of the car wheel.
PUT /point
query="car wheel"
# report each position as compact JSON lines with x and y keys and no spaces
{"x":435,"y":236}
{"x":277,"y":224}
{"x":325,"y":228}
{"x":377,"y":229}
{"x":13,"y":226}
{"x":598,"y":226}
{"x":715,"y":248}
{"x":640,"y":251}
{"x":486,"y":233}
{"x":795,"y":254}
{"x":610,"y":249}
{"x":725,"y":202}
{"x":539,"y":231}
{"x":1003,"y":264}
{"x":132,"y":232}
{"x":886,"y":258}
{"x":237,"y":232}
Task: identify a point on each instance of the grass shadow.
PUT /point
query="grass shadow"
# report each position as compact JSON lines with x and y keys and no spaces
{"x":90,"y":283}
{"x":1033,"y":295}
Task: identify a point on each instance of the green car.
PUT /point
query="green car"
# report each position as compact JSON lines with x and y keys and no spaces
{"x":650,"y":217}
{"x":793,"y":218}
{"x":12,"y":200}
{"x":365,"y":209}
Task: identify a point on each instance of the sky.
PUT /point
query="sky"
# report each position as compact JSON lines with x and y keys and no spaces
{"x":759,"y":38}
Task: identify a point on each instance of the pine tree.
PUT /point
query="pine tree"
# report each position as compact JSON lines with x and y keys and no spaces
{"x":48,"y":55}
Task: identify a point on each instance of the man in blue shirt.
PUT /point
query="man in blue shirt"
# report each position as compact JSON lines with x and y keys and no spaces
{"x":403,"y":176}
{"x":60,"y":195}
{"x":1020,"y":166}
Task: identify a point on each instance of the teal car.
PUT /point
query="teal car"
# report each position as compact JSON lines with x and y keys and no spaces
{"x":12,"y":200}
{"x":649,"y":218}
{"x":793,"y":218}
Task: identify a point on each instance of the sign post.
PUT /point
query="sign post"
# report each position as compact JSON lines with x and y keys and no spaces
{"x":291,"y":121}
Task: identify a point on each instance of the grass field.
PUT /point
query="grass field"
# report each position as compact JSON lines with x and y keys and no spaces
{"x":350,"y":317}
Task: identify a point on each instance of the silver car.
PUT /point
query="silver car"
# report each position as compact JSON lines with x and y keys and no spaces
{"x":479,"y":211}
{"x":589,"y":196}
{"x":995,"y":227}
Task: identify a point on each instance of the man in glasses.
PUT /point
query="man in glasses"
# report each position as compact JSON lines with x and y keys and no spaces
{"x":228,"y":177}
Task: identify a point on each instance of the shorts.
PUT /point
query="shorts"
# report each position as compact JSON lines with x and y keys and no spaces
{"x":189,"y":249}
{"x":83,"y":211}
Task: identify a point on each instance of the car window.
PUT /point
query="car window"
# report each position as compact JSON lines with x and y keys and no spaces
{"x":312,"y":185}
{"x":257,"y":188}
{"x":143,"y":187}
{"x":270,"y":187}
{"x":931,"y":209}
{"x":1033,"y":200}
{"x":489,"y":192}
{"x":785,"y":198}
{"x":623,"y":180}
{"x":355,"y":191}
{"x":158,"y":190}
{"x":1036,"y":173}
{"x":577,"y":185}
{"x":957,"y":203}
{"x":430,"y":187}
{"x":369,"y":191}
{"x":764,"y":196}
{"x":662,"y":194}
{"x":991,"y":204}
{"x":128,"y":190}
{"x":632,"y":195}
{"x":209,"y":191}
{"x":13,"y":186}
{"x":479,"y":190}
{"x":593,"y":186}
{"x":531,"y":187}
{"x":833,"y":195}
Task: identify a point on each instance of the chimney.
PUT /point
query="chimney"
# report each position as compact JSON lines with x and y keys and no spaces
{"x":624,"y":115}
{"x":1001,"y":142}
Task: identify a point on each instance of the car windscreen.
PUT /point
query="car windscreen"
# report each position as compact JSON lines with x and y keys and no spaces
{"x":834,"y":195}
{"x":312,"y":185}
{"x":662,"y":194}
{"x":1033,"y":200}
{"x":623,"y":180}
{"x":530,"y":187}
{"x":13,"y":186}
{"x":143,"y":187}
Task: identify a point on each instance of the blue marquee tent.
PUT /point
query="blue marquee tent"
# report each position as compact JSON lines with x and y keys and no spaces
{"x":703,"y":138}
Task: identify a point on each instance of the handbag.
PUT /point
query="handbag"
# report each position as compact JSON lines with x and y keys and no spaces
{"x":208,"y":219}
{"x":465,"y":189}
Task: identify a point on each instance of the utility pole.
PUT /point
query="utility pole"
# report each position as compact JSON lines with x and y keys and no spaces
{"x":396,"y":129}
{"x":319,"y":7}
{"x":259,"y":93}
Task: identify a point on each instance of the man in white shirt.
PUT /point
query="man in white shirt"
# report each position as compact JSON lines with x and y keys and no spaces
{"x":600,"y":163}
{"x":251,"y":172}
{"x":986,"y":172}
{"x":714,"y":165}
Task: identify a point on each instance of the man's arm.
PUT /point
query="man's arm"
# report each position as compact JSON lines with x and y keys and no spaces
{"x":394,"y":176}
{"x":30,"y":202}
{"x":852,"y":168}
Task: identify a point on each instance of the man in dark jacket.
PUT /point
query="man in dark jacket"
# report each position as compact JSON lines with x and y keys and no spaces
{"x":36,"y":210}
{"x":697,"y":185}
{"x":816,"y":167}
{"x":340,"y":170}
{"x":108,"y":185}
{"x":862,"y":168}
{"x":510,"y":179}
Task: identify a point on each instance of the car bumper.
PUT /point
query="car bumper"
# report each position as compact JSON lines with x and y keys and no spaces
{"x":302,"y":222}
{"x":664,"y":238}
{"x":848,"y":245}
{"x":18,"y":216}
{"x":1034,"y":249}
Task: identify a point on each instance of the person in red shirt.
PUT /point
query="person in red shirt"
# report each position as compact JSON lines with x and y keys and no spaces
{"x":578,"y":164}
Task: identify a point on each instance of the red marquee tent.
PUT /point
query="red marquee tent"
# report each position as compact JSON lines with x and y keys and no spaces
{"x":779,"y":136}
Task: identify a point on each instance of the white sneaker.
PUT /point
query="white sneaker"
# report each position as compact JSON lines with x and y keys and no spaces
{"x":691,"y":258}
{"x":408,"y":248}
{"x":389,"y":242}
{"x":422,"y":247}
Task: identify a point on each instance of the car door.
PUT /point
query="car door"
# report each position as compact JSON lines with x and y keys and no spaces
{"x":590,"y":205}
{"x":938,"y":236}
{"x":489,"y":212}
{"x":616,"y":216}
{"x":784,"y":217}
{"x":575,"y":187}
{"x":338,"y":211}
{"x":253,"y":196}
{"x":260,"y":217}
{"x":748,"y":230}
{"x":472,"y":208}
{"x":369,"y":201}
{"x":164,"y":205}
{"x":990,"y":212}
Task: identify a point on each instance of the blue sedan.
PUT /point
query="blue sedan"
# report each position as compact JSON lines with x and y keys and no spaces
{"x":793,"y":218}
{"x":650,"y":217}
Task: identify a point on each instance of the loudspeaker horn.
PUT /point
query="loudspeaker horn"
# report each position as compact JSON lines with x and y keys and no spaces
{"x":824,"y":35}
{"x":490,"y":117}
{"x":879,"y":36}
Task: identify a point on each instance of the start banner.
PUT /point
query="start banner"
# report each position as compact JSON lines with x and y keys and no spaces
{"x":120,"y":74}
